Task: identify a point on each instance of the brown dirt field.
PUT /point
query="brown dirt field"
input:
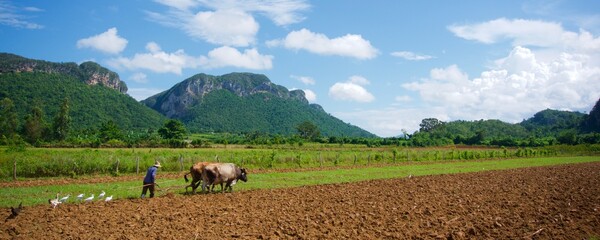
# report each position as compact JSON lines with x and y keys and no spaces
{"x":558,"y":202}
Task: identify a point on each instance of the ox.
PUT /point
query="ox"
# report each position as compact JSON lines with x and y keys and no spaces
{"x":219,"y":173}
{"x":196,"y":172}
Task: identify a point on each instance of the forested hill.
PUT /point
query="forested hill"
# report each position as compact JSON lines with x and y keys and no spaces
{"x":90,"y":73}
{"x":243,"y":103}
{"x":90,"y":106}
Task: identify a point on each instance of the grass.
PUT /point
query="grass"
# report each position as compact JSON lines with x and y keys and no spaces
{"x":132,"y":189}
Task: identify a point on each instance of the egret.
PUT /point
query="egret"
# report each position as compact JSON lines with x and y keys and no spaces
{"x":108,"y":198}
{"x":101,"y":195}
{"x":64,"y":199}
{"x":89,"y":199}
{"x":79,"y":197}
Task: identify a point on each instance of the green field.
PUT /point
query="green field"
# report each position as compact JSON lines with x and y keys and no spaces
{"x":11,"y":196}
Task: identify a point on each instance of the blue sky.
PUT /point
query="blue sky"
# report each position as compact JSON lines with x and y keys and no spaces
{"x":380,"y":65}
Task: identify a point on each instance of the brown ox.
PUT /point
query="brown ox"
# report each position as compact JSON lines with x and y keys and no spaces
{"x":219,"y":173}
{"x":196,"y":172}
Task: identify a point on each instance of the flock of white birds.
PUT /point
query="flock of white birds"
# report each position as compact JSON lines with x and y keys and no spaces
{"x":80,"y":198}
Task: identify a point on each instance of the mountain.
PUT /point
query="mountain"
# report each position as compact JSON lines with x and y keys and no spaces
{"x":96,"y":94}
{"x":551,"y":122}
{"x":90,"y":73}
{"x":591,"y":123}
{"x":244,"y":102}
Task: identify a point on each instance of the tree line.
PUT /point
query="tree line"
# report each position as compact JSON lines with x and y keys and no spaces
{"x":548,"y":127}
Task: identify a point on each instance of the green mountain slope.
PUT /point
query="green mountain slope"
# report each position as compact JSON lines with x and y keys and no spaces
{"x":245,"y":102}
{"x":551,"y":122}
{"x":96,"y":94}
{"x":90,"y":73}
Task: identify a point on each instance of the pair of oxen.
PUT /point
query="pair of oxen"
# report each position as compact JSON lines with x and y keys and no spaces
{"x":211,"y":174}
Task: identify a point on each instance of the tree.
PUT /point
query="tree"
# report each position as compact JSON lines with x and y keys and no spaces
{"x":430,"y":124}
{"x":592,"y":120}
{"x":8,"y":120}
{"x":173,"y":129}
{"x":62,"y":121}
{"x":109,"y":130}
{"x":35,"y":126}
{"x":308,"y":130}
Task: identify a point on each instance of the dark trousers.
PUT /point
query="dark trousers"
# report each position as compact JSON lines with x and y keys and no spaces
{"x":148,"y":186}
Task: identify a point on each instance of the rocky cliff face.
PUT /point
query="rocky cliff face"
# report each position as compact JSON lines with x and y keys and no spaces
{"x":89,"y":72}
{"x":175,"y":101}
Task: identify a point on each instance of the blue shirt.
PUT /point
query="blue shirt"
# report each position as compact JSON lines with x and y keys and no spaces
{"x":150,"y":175}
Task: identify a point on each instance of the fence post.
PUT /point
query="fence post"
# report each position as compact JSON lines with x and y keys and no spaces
{"x":118,"y":162}
{"x":15,"y":170}
{"x":320,"y":160}
{"x":180,"y":162}
{"x":137,"y":165}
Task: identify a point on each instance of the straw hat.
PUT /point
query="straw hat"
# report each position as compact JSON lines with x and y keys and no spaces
{"x":157,"y":164}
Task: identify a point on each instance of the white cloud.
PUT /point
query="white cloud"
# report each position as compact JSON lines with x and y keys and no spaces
{"x":403,"y":98}
{"x":524,"y":32}
{"x":411,"y":56}
{"x":304,"y":79}
{"x":179,"y":4}
{"x":139,"y":78}
{"x":228,"y":56}
{"x":359,"y":80}
{"x":142,"y":93}
{"x":352,"y":90}
{"x":153,"y":47}
{"x":11,"y":16}
{"x":281,"y":12}
{"x":517,"y":87}
{"x":310,"y":95}
{"x":229,"y":22}
{"x":349,"y":45}
{"x":108,"y":42}
{"x":33,"y":9}
{"x":223,"y":27}
{"x":157,"y":60}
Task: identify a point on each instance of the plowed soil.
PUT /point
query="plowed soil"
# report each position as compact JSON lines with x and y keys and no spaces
{"x":558,"y":202}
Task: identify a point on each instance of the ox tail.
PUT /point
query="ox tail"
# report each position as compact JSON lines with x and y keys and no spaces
{"x":185,"y":177}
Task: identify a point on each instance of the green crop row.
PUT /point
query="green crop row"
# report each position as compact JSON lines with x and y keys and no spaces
{"x":35,"y":195}
{"x":43,"y":162}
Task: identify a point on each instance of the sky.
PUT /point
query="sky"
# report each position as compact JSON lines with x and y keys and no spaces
{"x":382,"y":65}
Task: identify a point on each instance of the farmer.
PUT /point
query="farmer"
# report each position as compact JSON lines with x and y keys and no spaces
{"x":149,"y":180}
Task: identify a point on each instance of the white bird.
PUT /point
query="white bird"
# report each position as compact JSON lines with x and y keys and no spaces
{"x":89,"y":199}
{"x":108,"y":198}
{"x":101,"y":195}
{"x":64,"y":199}
{"x":54,"y":202}
{"x":79,"y":197}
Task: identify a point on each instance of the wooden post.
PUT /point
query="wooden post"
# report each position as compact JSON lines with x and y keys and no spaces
{"x":118,"y":162}
{"x":320,"y":160}
{"x":15,"y":170}
{"x":137,"y":165}
{"x":180,"y":162}
{"x":354,"y":159}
